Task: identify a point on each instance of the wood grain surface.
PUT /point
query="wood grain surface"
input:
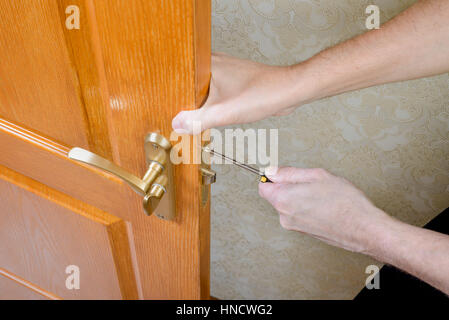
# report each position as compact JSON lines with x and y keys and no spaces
{"x":38,"y":85}
{"x":13,"y":287}
{"x":85,"y":54}
{"x":44,"y":231}
{"x":129,"y":70}
{"x":156,"y":60}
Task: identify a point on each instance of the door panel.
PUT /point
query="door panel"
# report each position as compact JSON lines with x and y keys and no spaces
{"x":156,"y":60}
{"x":46,"y":161}
{"x":45,"y":231}
{"x":16,"y":288}
{"x":130,"y":68}
{"x":38,"y":85}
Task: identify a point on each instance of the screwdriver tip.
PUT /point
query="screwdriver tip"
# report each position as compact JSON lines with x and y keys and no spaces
{"x":207,"y":149}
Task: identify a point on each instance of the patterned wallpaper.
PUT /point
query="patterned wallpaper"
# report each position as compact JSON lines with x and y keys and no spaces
{"x":392,"y":141}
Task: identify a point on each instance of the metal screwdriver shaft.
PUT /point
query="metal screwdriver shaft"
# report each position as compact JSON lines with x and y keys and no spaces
{"x":262,"y":178}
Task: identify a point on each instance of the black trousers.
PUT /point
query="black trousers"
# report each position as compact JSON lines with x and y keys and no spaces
{"x":396,"y":284}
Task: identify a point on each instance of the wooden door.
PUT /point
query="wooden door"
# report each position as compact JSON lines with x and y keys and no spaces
{"x":128,"y":70}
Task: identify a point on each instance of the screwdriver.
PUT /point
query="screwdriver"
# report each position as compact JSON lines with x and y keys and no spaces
{"x":262,"y":177}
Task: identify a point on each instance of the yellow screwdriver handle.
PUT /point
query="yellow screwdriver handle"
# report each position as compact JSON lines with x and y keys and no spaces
{"x":264,"y":179}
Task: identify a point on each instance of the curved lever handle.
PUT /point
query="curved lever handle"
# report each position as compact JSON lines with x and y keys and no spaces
{"x":155,"y":182}
{"x":94,"y":160}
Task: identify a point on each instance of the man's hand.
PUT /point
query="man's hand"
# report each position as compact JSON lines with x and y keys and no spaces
{"x":241,"y":91}
{"x":415,"y":44}
{"x":330,"y":208}
{"x":327,"y":207}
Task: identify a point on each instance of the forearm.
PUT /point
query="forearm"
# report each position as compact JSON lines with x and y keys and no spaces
{"x":412,"y":45}
{"x":420,"y":252}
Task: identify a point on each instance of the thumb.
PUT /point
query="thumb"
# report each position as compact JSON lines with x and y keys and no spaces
{"x":193,"y":121}
{"x":293,"y":175}
{"x":187,"y":122}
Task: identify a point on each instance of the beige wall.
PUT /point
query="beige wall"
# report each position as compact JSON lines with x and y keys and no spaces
{"x":392,"y":141}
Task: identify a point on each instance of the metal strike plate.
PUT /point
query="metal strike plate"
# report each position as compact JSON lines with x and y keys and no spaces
{"x":208,"y":177}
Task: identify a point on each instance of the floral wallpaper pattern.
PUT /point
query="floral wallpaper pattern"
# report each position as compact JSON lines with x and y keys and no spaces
{"x":392,"y":141}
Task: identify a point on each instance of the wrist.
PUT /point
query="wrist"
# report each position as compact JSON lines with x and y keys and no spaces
{"x":308,"y":81}
{"x":380,"y":236}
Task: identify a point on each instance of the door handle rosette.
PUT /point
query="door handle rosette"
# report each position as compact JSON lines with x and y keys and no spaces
{"x":156,"y":186}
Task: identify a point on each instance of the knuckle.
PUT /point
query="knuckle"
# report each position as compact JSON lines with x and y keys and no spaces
{"x":277,"y":204}
{"x":290,"y":170}
{"x":216,"y":56}
{"x":320,"y":173}
{"x":284,"y":222}
{"x":212,"y":85}
{"x":262,"y":190}
{"x":281,"y":203}
{"x":268,"y":191}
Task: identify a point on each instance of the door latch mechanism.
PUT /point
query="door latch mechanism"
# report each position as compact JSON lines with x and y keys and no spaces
{"x":156,"y":186}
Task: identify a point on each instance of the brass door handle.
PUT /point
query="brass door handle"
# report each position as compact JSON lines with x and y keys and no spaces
{"x":157,"y":181}
{"x":92,"y":159}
